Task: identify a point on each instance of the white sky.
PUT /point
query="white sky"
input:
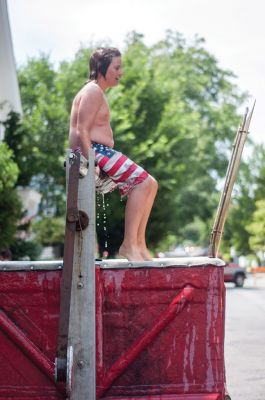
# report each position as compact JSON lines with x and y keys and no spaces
{"x":234,"y":31}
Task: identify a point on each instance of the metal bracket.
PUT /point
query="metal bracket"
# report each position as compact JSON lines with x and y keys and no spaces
{"x":83,"y":221}
{"x":78,"y":216}
{"x":72,"y":215}
{"x":60,"y":369}
{"x":69,"y":370}
{"x":83,"y":169}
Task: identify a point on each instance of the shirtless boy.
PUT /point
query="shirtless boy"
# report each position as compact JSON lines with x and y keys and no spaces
{"x":90,"y":127}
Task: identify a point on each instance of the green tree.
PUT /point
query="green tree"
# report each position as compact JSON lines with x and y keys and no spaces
{"x":72,"y":75}
{"x":39,"y":138}
{"x":240,"y":213}
{"x":249,"y":188}
{"x":49,"y":231}
{"x":22,"y":249}
{"x":10,"y":205}
{"x":257,"y":231}
{"x":38,"y":141}
{"x":174,"y":112}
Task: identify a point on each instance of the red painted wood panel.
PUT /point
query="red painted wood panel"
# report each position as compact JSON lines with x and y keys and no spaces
{"x":160,"y":333}
{"x":184,"y":357}
{"x":29,"y":304}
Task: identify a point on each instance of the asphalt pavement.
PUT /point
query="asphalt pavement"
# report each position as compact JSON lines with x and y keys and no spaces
{"x":245,"y":339}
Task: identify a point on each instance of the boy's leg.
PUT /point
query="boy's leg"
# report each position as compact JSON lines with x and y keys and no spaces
{"x":135,"y":212}
{"x":139,"y":202}
{"x":142,"y":227}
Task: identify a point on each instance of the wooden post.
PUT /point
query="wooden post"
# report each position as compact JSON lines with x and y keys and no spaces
{"x":82,"y":344}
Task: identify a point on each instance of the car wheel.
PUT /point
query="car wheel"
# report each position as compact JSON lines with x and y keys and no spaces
{"x":239,"y":280}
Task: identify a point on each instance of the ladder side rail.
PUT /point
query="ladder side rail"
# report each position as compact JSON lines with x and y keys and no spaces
{"x":231,"y":174}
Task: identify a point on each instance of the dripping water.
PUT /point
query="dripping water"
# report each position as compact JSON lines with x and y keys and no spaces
{"x":101,"y":219}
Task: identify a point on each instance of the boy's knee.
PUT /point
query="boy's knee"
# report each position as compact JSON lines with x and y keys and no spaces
{"x":154,"y":182}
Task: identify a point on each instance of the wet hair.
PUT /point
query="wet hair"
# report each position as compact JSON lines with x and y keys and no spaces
{"x":100,"y":60}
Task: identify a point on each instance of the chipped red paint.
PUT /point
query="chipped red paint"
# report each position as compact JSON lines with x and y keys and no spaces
{"x":127,"y":358}
{"x":185,"y":359}
{"x":26,"y":346}
{"x":160,"y":334}
{"x":29,"y":304}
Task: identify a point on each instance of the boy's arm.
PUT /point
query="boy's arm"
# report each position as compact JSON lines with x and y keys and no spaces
{"x":89,"y":105}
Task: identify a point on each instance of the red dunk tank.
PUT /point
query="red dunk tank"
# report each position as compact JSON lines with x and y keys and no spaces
{"x":159,"y":330}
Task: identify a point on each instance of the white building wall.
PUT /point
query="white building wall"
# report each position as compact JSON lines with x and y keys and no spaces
{"x":9,"y":89}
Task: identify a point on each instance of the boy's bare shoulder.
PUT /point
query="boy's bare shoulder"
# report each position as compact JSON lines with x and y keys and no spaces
{"x":92,"y":95}
{"x":91,"y":88}
{"x":91,"y":92}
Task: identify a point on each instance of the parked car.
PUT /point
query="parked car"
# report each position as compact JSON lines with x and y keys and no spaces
{"x":234,"y":273}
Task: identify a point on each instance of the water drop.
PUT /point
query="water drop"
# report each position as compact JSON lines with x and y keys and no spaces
{"x":101,"y":220}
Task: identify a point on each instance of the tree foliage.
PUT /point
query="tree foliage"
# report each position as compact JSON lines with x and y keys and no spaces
{"x":174,"y":113}
{"x":250,"y":189}
{"x":10,"y":205}
{"x":257,"y":229}
{"x":49,"y":231}
{"x":39,"y":138}
{"x":25,"y":249}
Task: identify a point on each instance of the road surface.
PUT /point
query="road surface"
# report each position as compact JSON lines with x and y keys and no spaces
{"x":245,"y":340}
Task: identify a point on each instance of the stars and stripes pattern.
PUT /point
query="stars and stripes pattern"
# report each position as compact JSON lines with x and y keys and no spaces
{"x":125,"y":173}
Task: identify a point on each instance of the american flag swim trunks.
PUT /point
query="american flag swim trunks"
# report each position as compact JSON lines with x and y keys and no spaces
{"x":123,"y":172}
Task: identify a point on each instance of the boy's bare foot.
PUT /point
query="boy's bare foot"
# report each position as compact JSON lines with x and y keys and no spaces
{"x":146,"y":254}
{"x":131,"y":253}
